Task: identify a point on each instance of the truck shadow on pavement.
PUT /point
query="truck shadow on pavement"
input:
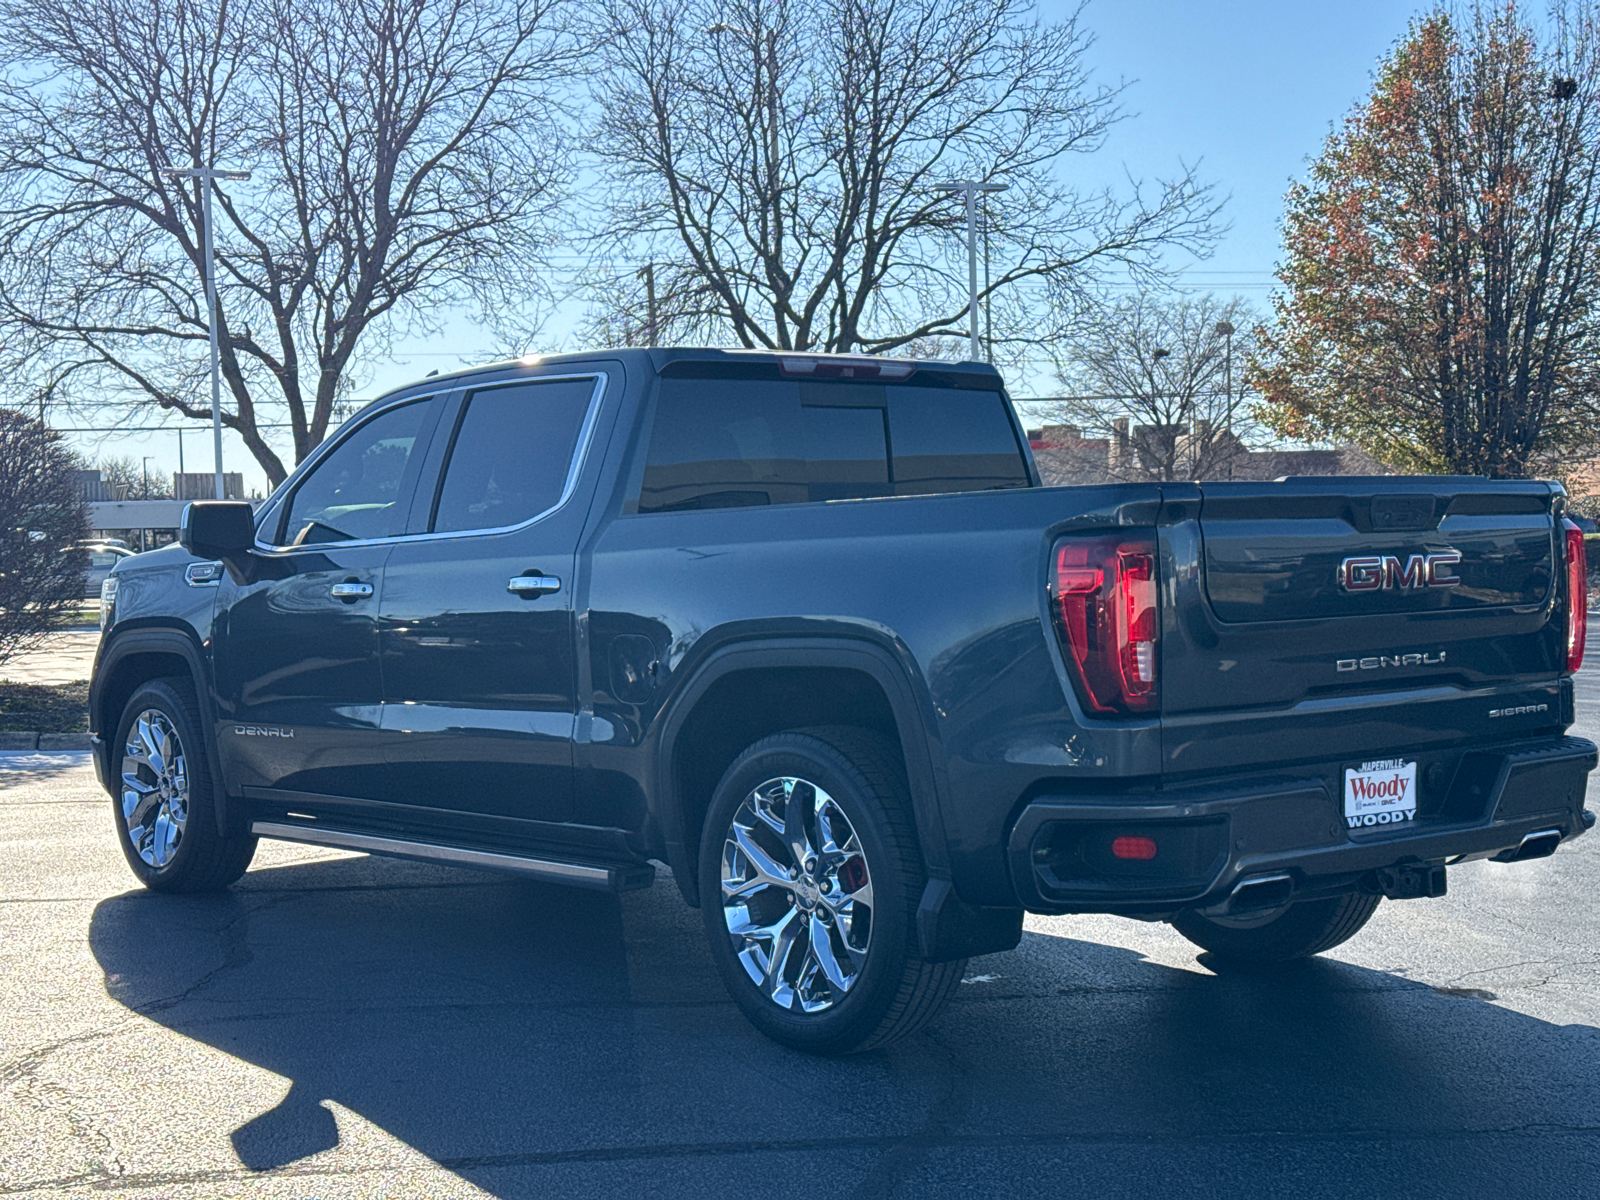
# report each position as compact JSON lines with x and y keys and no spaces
{"x":538,"y":1040}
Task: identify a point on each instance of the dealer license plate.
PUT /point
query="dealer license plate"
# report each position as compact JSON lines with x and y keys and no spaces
{"x":1382,"y":792}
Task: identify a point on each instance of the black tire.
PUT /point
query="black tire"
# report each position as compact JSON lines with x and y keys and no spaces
{"x":197,"y":859}
{"x":1302,"y":929}
{"x":893,"y":992}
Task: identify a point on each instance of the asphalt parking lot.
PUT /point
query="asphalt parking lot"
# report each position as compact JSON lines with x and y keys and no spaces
{"x":338,"y":1026}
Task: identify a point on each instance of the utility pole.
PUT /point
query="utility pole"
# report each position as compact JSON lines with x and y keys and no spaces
{"x":649,"y":274}
{"x":970,"y":189}
{"x":208,"y":177}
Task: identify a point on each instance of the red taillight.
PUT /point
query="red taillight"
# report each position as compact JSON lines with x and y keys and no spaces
{"x":1577,"y":595}
{"x":1104,"y":596}
{"x":1140,"y":849}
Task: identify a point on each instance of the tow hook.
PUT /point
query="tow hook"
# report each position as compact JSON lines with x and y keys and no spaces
{"x":1411,"y":881}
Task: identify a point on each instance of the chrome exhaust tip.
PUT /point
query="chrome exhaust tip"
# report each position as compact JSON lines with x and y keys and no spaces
{"x":1535,"y":845}
{"x":1260,"y":893}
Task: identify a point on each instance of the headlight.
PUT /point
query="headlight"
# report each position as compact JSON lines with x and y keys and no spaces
{"x":108,"y":600}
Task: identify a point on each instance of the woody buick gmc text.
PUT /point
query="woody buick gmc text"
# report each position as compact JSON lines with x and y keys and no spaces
{"x":809,"y":631}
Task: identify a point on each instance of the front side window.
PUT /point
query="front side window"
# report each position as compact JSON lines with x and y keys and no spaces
{"x":513,"y":448}
{"x":355,"y":492}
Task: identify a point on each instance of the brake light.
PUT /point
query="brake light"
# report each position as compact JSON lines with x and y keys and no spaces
{"x":1103,"y":594}
{"x":1577,"y":594}
{"x":837,"y":366}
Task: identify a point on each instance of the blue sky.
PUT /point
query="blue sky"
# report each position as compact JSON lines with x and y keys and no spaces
{"x":1249,"y":88}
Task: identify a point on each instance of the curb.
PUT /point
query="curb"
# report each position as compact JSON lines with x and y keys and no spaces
{"x":45,"y":741}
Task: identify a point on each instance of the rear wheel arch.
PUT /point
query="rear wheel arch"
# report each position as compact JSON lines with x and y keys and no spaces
{"x":746,"y":692}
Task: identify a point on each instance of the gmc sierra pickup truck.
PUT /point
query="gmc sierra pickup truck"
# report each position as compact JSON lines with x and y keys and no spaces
{"x":810,"y":631}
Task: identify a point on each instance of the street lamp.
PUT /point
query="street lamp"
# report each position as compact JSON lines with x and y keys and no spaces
{"x":1225,"y":328}
{"x":970,"y":189}
{"x":208,"y":176}
{"x":144,"y":470}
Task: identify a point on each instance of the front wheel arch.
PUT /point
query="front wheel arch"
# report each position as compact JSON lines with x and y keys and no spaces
{"x":133,"y":658}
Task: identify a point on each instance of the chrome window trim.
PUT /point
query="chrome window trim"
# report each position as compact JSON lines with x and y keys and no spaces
{"x":580,"y":458}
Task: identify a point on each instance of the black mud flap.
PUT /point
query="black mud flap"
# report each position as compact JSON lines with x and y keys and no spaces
{"x":949,"y":928}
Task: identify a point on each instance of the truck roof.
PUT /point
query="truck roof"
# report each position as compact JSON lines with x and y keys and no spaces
{"x":661,"y":360}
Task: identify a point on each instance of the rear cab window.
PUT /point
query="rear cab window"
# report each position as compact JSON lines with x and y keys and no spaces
{"x":734,"y":443}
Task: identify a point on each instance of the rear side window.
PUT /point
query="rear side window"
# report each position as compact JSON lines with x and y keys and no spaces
{"x":512,"y":451}
{"x":724,"y":443}
{"x":953,"y":441}
{"x":729,"y":443}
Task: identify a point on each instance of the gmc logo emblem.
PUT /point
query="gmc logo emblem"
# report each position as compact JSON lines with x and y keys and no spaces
{"x":1375,"y":574}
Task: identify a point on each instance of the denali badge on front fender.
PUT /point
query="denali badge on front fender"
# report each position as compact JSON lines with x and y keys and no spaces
{"x":262,"y":731}
{"x":1380,"y":661}
{"x":1375,"y":573}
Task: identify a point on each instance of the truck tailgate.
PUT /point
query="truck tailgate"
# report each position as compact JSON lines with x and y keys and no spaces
{"x":1318,"y":617}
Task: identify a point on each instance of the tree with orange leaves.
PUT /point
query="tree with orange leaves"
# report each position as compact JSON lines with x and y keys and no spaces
{"x":1442,"y":274}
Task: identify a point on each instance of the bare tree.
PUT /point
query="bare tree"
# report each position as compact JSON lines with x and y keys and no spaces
{"x":132,"y":474}
{"x":42,"y":519}
{"x":407,"y":155}
{"x":1156,"y":389}
{"x":778,"y":163}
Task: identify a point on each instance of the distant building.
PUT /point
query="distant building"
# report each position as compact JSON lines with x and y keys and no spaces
{"x":95,"y":488}
{"x":202,"y":485}
{"x":1066,"y":456}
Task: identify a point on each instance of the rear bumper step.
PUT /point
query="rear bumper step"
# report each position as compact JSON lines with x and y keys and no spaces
{"x":1234,"y":847}
{"x":606,"y":877}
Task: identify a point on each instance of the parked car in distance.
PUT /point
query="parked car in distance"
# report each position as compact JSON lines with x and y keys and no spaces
{"x":102,"y":557}
{"x":809,"y":630}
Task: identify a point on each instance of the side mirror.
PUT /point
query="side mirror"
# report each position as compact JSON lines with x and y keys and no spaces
{"x":223,"y":529}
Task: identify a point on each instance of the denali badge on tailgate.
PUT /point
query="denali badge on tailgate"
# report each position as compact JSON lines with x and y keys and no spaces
{"x":1376,"y":573}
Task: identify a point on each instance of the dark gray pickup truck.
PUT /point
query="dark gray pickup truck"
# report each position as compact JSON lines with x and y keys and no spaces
{"x":809,"y":631}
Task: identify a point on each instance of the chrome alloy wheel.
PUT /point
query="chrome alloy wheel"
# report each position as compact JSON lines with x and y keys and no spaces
{"x":155,"y":788}
{"x":796,"y":894}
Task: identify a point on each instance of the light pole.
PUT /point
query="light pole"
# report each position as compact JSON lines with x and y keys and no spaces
{"x":1225,"y":328}
{"x":1168,"y":450}
{"x":144,"y":471}
{"x":970,"y":188}
{"x":208,"y":177}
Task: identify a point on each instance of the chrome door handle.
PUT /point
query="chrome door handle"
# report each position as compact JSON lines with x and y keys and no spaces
{"x":351,"y":591}
{"x":534,"y":585}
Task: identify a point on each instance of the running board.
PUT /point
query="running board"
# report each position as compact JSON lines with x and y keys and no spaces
{"x":605,"y":877}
